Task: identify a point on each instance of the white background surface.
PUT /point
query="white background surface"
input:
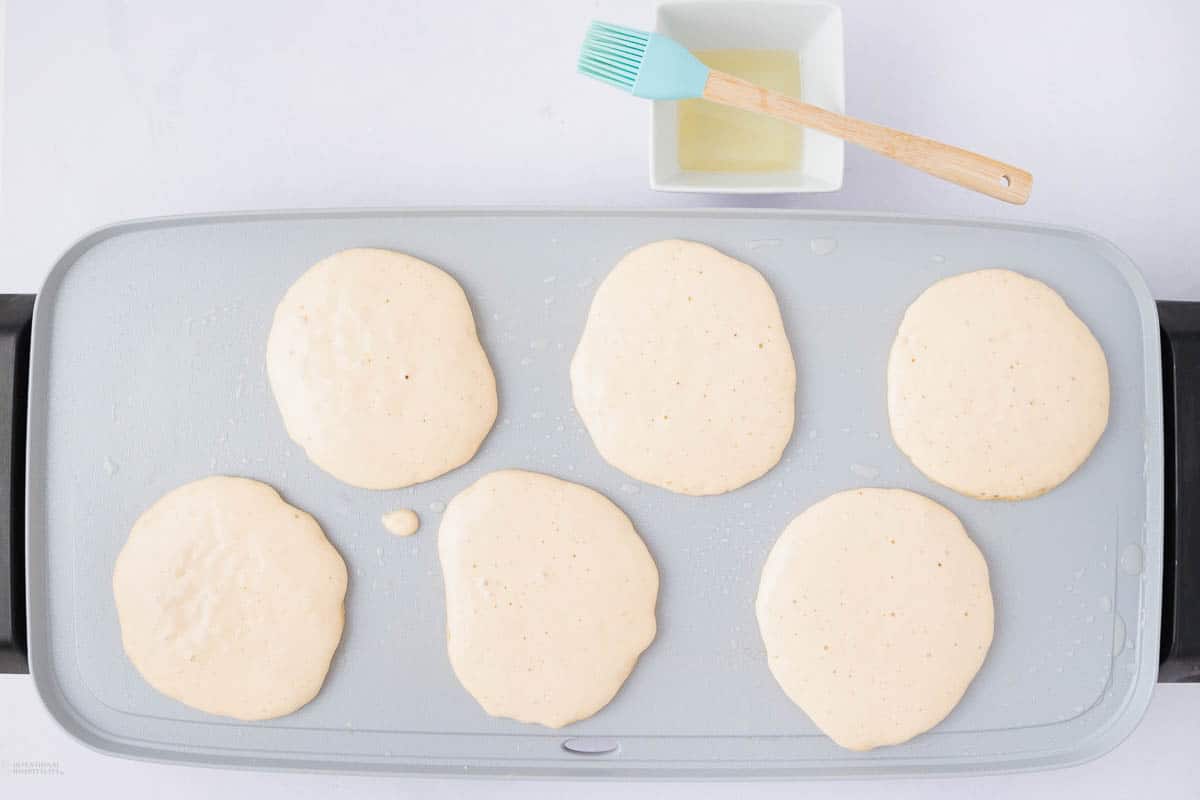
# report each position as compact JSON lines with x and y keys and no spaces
{"x":120,"y":109}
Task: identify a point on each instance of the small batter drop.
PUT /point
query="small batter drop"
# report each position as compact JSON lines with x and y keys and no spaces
{"x":401,"y":522}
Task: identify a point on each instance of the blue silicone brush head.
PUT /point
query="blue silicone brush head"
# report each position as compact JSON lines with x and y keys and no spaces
{"x":644,"y":64}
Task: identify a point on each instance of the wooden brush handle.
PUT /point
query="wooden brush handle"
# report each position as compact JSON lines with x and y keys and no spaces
{"x":994,"y":178}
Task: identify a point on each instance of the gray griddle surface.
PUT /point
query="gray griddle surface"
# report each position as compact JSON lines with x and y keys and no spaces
{"x":148,"y":372}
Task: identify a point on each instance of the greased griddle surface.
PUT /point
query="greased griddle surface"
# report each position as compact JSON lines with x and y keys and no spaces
{"x":148,"y":372}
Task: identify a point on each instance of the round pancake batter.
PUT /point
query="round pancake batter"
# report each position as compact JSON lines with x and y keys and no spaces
{"x":684,"y":376}
{"x":876,"y":613}
{"x":550,"y":596}
{"x":374,"y":361}
{"x":995,"y":388}
{"x":230,"y":600}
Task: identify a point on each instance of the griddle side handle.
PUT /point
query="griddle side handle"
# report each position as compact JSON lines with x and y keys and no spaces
{"x":16,"y":319}
{"x":1179,"y":654}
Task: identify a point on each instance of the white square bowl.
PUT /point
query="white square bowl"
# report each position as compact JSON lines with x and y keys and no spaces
{"x":811,"y":28}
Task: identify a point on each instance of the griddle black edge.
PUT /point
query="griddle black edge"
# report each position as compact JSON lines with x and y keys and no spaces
{"x":1179,"y":654}
{"x":1180,"y":637}
{"x":16,"y":318}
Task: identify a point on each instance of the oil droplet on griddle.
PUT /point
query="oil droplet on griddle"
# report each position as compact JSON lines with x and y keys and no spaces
{"x":1132,"y":560}
{"x":865,"y":472}
{"x":822,"y":247}
{"x":758,"y":244}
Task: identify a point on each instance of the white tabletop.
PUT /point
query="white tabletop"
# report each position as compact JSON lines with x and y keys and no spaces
{"x":140,"y":108}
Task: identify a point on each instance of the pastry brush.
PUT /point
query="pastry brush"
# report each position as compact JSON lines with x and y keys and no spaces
{"x":659,"y":68}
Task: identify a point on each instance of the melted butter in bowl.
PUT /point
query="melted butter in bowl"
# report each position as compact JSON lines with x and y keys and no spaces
{"x":714,"y":138}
